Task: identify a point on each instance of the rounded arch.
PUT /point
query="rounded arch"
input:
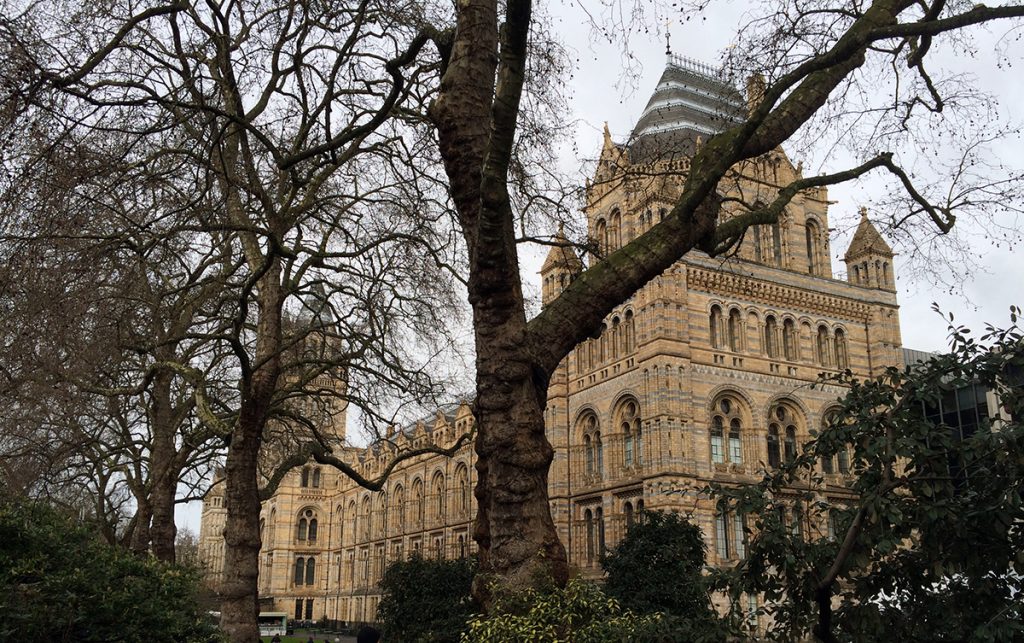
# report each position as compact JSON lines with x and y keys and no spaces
{"x":729,"y":420}
{"x":462,"y":489}
{"x":584,"y":410}
{"x":628,"y":423}
{"x":787,"y":423}
{"x":729,"y":389}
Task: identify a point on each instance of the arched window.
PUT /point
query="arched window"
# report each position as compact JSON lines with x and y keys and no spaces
{"x":782,"y":422}
{"x":715,"y":327}
{"x":885,"y":274}
{"x":462,"y":546}
{"x":822,"y":345}
{"x":758,"y":250}
{"x":462,"y":480}
{"x":627,"y":510}
{"x":417,"y":501}
{"x":615,"y":231}
{"x":593,"y":452}
{"x":771,"y":337}
{"x":367,"y":521}
{"x":399,"y":505}
{"x":304,"y":481}
{"x":789,"y":340}
{"x":602,"y":345}
{"x":726,"y":417}
{"x":630,"y":332}
{"x":382,"y":514}
{"x":841,"y":354}
{"x":735,"y":331}
{"x":306,"y":527}
{"x":273,"y":527}
{"x":438,"y":497}
{"x":316,"y":477}
{"x":811,"y":234}
{"x":629,"y":425}
{"x":616,"y":341}
{"x":601,"y":231}
{"x":354,"y":517}
{"x":310,"y":570}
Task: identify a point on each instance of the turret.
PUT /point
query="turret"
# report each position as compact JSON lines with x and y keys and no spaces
{"x":559,"y":269}
{"x":869,"y":258}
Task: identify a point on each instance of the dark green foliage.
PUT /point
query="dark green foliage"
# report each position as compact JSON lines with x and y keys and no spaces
{"x":658,"y":568}
{"x":59,"y":582}
{"x":929,"y":546}
{"x":426,"y":600}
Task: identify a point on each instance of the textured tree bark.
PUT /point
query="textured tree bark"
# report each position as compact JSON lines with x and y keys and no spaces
{"x":239,"y":589}
{"x":163,"y":471}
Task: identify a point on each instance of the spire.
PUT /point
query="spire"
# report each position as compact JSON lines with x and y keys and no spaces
{"x":867,"y":240}
{"x":607,"y":137}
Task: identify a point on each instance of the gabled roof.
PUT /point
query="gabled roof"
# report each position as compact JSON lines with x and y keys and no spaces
{"x":562,"y":255}
{"x":867,"y":240}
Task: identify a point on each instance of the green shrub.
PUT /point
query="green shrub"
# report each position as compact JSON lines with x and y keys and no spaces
{"x":579,"y":613}
{"x":59,"y":582}
{"x":426,"y":600}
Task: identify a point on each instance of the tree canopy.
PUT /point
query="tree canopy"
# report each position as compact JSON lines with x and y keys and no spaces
{"x":926,"y":544}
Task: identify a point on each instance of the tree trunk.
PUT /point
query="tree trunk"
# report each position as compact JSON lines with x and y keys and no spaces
{"x":163,"y":484}
{"x":239,"y":590}
{"x":239,"y":607}
{"x":517,"y":537}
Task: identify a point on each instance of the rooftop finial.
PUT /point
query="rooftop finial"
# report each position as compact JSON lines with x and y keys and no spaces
{"x":863,"y":212}
{"x":668,"y":38}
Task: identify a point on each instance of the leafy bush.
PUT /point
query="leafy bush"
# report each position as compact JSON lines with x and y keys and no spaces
{"x":658,"y":567}
{"x":580,"y":613}
{"x":59,"y":582}
{"x":426,"y":600}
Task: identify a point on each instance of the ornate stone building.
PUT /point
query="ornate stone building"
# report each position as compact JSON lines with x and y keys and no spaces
{"x":704,"y":375}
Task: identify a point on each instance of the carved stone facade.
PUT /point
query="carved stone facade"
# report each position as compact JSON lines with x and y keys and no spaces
{"x":704,"y":375}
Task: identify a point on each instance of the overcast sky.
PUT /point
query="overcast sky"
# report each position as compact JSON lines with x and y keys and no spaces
{"x":602,"y":91}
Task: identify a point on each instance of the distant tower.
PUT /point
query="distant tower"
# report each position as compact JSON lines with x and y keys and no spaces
{"x":869,"y":258}
{"x":560,"y":268}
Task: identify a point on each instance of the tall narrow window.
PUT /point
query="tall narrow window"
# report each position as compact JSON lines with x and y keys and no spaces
{"x":777,"y":244}
{"x":811,"y":234}
{"x":840,"y":344}
{"x":823,"y":351}
{"x":316,"y":477}
{"x":726,"y":413}
{"x":628,"y":449}
{"x":790,"y":444}
{"x":756,"y":232}
{"x":735,"y":331}
{"x":301,"y":530}
{"x":789,"y":340}
{"x":715,"y":327}
{"x":615,"y":231}
{"x":304,"y":482}
{"x":588,"y":519}
{"x":299,"y":577}
{"x":739,"y":535}
{"x":735,"y":445}
{"x":588,"y":450}
{"x":771,"y":337}
{"x":826,"y":464}
{"x":601,"y":232}
{"x":310,"y":570}
{"x":722,"y":547}
{"x":312,"y":529}
{"x":627,"y":510}
{"x":774,"y":453}
{"x":630,"y":332}
{"x":717,"y":449}
{"x":844,"y":461}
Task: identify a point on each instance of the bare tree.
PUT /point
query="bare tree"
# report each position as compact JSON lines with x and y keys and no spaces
{"x":821,"y":48}
{"x":276,"y":234}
